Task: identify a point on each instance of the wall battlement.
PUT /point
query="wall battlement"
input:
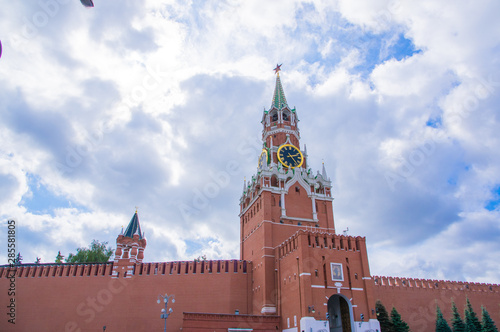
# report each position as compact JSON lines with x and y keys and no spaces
{"x":56,"y":270}
{"x":139,"y":269}
{"x":432,"y":284}
{"x":193,"y":267}
{"x":320,"y":239}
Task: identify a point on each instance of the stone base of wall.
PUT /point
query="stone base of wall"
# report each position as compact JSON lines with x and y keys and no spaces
{"x":199,"y":322}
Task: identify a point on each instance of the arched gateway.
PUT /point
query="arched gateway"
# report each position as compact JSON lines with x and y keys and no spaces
{"x":340,"y":314}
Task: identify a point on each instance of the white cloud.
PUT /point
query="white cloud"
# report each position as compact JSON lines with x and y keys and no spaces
{"x":145,"y":103}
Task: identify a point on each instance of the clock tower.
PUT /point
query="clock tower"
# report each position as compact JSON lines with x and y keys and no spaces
{"x":302,"y":271}
{"x":284,"y":196}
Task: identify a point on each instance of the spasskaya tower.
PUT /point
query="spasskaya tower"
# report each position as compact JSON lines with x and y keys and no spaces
{"x":302,"y":272}
{"x":285,"y":195}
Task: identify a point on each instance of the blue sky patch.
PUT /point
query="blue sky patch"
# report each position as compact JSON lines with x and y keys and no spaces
{"x":193,"y":246}
{"x":401,"y":49}
{"x":42,"y":200}
{"x":378,"y":48}
{"x":434,"y":122}
{"x":495,"y":202}
{"x":452,"y":181}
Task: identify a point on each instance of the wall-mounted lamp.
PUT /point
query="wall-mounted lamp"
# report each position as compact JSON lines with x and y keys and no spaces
{"x":311,"y":309}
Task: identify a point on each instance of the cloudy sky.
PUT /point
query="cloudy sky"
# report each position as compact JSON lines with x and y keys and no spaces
{"x":157,"y":104}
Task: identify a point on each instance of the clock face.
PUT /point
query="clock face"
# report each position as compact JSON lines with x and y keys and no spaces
{"x":263,"y":159}
{"x":290,"y":156}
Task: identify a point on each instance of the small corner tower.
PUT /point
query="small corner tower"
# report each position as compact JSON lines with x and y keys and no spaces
{"x":129,"y":248}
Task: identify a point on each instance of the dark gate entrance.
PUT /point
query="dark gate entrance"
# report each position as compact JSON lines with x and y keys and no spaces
{"x":339,"y":312}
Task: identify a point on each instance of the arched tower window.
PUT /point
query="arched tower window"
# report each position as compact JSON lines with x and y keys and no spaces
{"x":274,"y":116}
{"x":274,"y":181}
{"x":286,"y":116}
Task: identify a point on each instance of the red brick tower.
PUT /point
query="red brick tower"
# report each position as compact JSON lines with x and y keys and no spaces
{"x":129,"y":249}
{"x":283,"y":197}
{"x":302,"y":270}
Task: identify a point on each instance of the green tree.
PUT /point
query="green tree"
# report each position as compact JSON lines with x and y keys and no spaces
{"x":201,"y":258}
{"x":441,"y":323}
{"x":472,"y":323}
{"x":59,"y":257}
{"x":383,"y":318}
{"x":457,"y":323}
{"x":469,"y":325}
{"x":397,"y":322}
{"x":487,"y":322}
{"x":19,"y":259}
{"x":96,"y":253}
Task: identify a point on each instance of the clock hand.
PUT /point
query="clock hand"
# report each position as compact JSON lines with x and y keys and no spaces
{"x":289,"y":155}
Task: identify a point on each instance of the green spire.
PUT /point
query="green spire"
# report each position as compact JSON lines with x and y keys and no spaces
{"x":279,"y":100}
{"x":133,"y":227}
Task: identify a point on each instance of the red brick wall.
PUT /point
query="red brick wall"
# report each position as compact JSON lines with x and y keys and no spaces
{"x":88,"y":302}
{"x":297,"y":203}
{"x":416,"y":299}
{"x":299,"y":258}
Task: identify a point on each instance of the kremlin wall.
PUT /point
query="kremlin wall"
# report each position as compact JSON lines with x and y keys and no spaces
{"x":416,"y":299}
{"x":294,"y":272}
{"x":86,"y":297}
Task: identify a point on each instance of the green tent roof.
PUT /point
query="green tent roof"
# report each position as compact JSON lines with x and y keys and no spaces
{"x":279,"y":100}
{"x":133,"y":227}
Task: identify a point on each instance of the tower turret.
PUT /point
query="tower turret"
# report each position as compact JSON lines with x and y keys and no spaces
{"x":130,"y":247}
{"x":280,"y":122}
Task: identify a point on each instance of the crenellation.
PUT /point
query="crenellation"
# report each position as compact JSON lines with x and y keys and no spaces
{"x":57,"y":270}
{"x":189,"y":267}
{"x":435,"y":284}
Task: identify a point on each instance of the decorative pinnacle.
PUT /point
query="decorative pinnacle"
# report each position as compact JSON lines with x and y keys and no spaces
{"x":277,"y":69}
{"x":279,"y":100}
{"x":323,"y":172}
